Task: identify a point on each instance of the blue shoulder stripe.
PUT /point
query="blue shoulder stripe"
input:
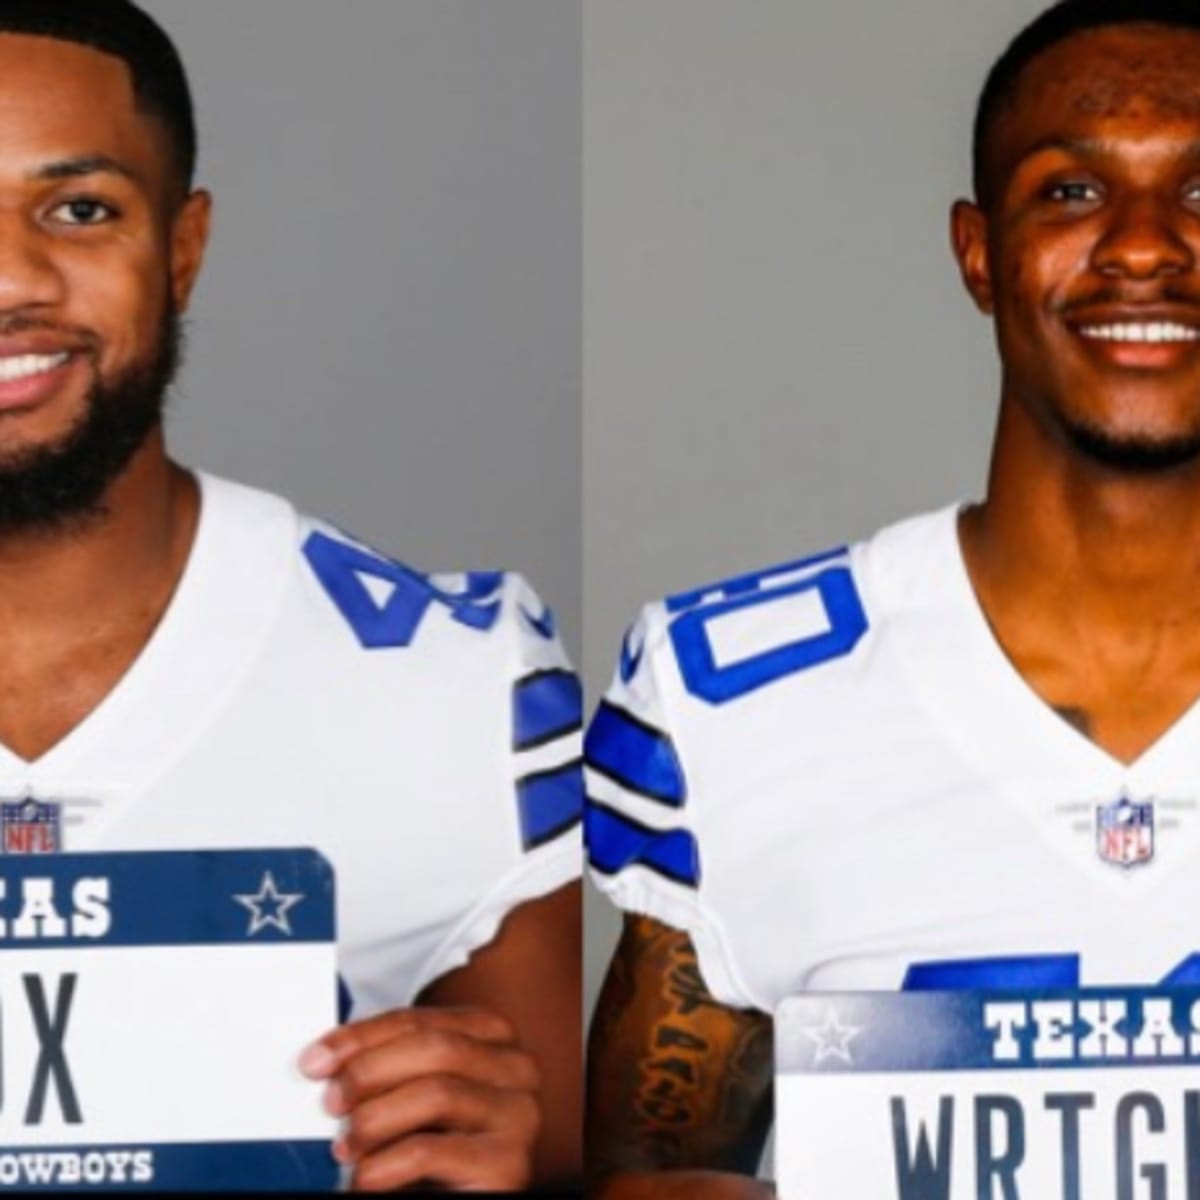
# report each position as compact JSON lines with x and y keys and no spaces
{"x":615,"y":842}
{"x":635,"y":755}
{"x":550,"y":803}
{"x":546,"y":705}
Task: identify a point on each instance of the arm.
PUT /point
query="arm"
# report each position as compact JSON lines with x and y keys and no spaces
{"x":478,"y":1087}
{"x":530,"y":975}
{"x":678,"y":1083}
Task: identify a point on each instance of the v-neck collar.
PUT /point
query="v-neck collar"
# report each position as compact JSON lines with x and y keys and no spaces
{"x":992,"y":663}
{"x":1010,"y":741}
{"x":222,"y":607}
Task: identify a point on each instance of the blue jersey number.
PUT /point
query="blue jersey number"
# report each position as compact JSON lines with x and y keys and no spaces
{"x":391,"y":622}
{"x":1034,"y":973}
{"x":720,"y":683}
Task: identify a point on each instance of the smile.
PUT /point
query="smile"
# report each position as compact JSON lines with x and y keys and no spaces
{"x":1155,"y":332}
{"x":25,"y":366}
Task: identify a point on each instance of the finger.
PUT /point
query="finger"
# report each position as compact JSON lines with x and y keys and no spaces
{"x":437,"y":1103}
{"x":464,"y":1162}
{"x":326,"y":1055}
{"x":432,"y":1052}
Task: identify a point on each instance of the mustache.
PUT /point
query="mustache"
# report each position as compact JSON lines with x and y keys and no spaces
{"x":1124,"y":297}
{"x":79,"y":337}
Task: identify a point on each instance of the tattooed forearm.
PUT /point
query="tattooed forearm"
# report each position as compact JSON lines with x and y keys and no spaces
{"x":676,"y":1079}
{"x":671,"y":1073}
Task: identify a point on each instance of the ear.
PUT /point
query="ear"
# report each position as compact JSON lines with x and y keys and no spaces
{"x":189,"y":238}
{"x":969,"y":238}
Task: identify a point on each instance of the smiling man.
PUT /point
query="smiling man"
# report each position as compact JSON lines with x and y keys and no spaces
{"x":963,"y":754}
{"x":190,"y":665}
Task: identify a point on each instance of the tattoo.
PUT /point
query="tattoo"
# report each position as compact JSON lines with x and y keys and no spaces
{"x":1077,"y":718}
{"x":671,"y":1076}
{"x":676,"y":1079}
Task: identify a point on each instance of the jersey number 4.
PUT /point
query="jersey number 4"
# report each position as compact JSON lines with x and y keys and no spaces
{"x":385,"y":602}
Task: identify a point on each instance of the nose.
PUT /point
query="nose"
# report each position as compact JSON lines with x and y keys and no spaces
{"x":29,"y":277}
{"x":1143,"y":242}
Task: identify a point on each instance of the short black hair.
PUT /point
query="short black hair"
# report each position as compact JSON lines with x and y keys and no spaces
{"x":1056,"y":24}
{"x":122,"y":29}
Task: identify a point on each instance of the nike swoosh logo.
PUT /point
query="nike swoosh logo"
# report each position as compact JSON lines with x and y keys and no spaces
{"x":629,"y":660}
{"x":544,"y":624}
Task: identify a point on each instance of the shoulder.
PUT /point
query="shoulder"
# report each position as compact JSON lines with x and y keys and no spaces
{"x":378,"y":603}
{"x":737,"y":712}
{"x":811,"y":619}
{"x":712,"y":685}
{"x":358,"y":616}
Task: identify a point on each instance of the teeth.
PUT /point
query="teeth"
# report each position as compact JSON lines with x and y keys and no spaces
{"x":1155,"y":331}
{"x":29,"y":364}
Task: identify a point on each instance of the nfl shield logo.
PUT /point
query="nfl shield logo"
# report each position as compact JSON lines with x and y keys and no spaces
{"x":1125,"y":832}
{"x":30,"y":827}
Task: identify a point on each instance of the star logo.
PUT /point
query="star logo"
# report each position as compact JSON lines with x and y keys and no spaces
{"x":832,"y":1039}
{"x":269,"y":906}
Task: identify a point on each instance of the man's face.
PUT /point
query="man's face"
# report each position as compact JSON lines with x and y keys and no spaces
{"x":1089,"y":252}
{"x":98,"y":252}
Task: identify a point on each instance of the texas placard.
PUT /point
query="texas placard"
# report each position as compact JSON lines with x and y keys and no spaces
{"x":152,"y":1008}
{"x":1047,"y":1095}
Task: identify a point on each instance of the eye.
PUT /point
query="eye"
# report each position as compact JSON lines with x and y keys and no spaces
{"x":84,"y":211}
{"x":1072,"y":191}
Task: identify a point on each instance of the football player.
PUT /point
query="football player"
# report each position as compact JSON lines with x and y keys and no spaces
{"x":831,"y":775}
{"x":188,"y":663}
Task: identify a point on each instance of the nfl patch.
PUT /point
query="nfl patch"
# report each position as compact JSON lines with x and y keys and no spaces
{"x":30,"y":827}
{"x":1125,"y":832}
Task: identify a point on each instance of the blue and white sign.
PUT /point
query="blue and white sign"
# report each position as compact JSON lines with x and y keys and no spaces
{"x":152,"y":1008}
{"x":1053,"y":1095}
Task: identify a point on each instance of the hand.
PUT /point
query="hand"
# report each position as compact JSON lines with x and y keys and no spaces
{"x":430,"y":1096}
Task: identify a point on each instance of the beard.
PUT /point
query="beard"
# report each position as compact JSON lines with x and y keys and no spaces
{"x":48,"y":488}
{"x":1134,"y":454}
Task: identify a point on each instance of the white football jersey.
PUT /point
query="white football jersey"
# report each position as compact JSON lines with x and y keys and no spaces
{"x":831,"y":776}
{"x":304,"y":691}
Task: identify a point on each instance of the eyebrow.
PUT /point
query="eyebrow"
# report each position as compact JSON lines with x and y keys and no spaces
{"x":87,"y":164}
{"x":1094,"y":148}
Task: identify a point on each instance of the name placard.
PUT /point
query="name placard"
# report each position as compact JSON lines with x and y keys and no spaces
{"x":152,"y":1007}
{"x":1058,"y":1095}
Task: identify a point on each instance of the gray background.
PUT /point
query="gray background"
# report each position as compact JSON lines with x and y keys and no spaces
{"x":779,"y":355}
{"x":388,"y":328}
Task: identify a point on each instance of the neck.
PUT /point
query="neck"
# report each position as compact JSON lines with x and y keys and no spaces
{"x":92,"y":571}
{"x":1079,"y":543}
